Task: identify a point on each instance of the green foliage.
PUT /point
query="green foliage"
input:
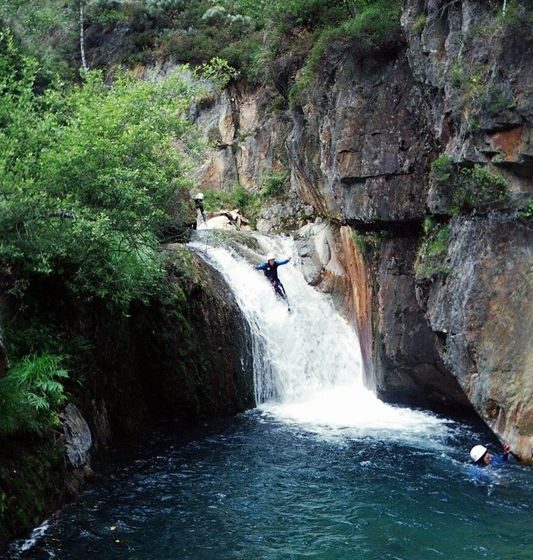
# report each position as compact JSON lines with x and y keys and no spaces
{"x":526,"y":212}
{"x":274,"y":184}
{"x":369,"y":242}
{"x":32,"y":481}
{"x":30,"y":395}
{"x":477,"y":188}
{"x":238,"y":198}
{"x":433,"y":251}
{"x":90,"y":179}
{"x":442,"y":169}
{"x":513,"y":19}
{"x":291,"y":14}
{"x":217,"y":72}
{"x":374,"y":27}
{"x":48,"y":29}
{"x":479,"y":92}
{"x":419,"y":24}
{"x":470,"y":189}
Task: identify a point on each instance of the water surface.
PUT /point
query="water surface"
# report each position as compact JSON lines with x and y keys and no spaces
{"x":258,"y":488}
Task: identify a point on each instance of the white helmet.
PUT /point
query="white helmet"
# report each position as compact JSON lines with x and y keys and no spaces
{"x":477,"y":452}
{"x":199,"y":196}
{"x":271,"y":257}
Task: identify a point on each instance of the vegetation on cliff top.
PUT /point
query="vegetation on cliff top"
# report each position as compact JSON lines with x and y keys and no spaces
{"x":245,"y":33}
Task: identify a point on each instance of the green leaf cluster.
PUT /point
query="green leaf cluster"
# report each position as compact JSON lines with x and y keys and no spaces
{"x":469,"y":189}
{"x":433,"y":251}
{"x":477,"y":188}
{"x":274,"y":184}
{"x":238,"y":198}
{"x":369,"y":27}
{"x":30,"y":395}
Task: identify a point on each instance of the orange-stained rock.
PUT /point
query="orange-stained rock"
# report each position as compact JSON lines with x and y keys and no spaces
{"x":508,"y":142}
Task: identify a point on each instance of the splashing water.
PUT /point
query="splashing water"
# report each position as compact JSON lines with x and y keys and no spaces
{"x":307,"y":362}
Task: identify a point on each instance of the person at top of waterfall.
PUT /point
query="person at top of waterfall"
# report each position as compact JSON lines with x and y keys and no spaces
{"x":199,"y":204}
{"x":482,"y":458}
{"x":270,"y":268}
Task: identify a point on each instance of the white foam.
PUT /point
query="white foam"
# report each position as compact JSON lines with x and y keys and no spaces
{"x":37,"y":534}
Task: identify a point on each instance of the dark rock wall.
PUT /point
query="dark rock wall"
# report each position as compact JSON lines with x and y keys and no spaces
{"x":483,"y":314}
{"x":408,"y":366}
{"x":360,"y":147}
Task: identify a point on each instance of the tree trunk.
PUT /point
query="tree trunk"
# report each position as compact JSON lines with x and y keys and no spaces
{"x":82,"y":37}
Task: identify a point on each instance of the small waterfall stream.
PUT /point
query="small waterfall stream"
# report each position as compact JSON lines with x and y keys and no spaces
{"x":307,"y":363}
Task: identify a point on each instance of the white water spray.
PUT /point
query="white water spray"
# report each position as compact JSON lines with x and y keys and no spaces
{"x":307,"y":363}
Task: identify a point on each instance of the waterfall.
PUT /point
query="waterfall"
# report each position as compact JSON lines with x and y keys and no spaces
{"x":307,"y":362}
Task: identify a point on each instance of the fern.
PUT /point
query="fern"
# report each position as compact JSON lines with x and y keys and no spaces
{"x":31,"y":394}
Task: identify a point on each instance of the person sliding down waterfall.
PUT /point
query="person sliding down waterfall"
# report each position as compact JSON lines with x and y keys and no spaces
{"x":270,"y":268}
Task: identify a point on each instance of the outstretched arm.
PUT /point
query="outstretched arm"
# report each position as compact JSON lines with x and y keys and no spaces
{"x":285,"y":261}
{"x":261,"y":266}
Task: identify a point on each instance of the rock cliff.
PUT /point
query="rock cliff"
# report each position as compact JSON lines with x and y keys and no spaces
{"x":424,"y":152}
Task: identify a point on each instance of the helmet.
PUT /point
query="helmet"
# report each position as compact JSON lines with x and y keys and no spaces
{"x":271,"y":257}
{"x":199,"y":196}
{"x":477,"y":452}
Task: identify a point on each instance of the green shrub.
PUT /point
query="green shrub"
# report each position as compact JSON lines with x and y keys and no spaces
{"x":30,"y":395}
{"x":468,"y":189}
{"x":274,"y":184}
{"x":419,"y":24}
{"x":374,"y":27}
{"x":477,"y":188}
{"x":91,"y":179}
{"x":291,"y":14}
{"x":526,"y":212}
{"x":442,"y":169}
{"x":433,"y":251}
{"x":238,"y":198}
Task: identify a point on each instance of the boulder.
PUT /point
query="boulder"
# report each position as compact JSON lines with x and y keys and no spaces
{"x":78,"y":438}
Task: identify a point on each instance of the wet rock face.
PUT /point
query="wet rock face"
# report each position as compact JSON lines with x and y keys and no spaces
{"x":78,"y":438}
{"x":408,"y":368}
{"x":361,"y":150}
{"x":483,"y":313}
{"x":198,"y":363}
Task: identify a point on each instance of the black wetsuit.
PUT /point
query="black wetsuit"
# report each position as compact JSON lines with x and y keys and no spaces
{"x":200,"y":206}
{"x":271,"y":272}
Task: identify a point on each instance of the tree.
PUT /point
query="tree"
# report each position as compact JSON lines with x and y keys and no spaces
{"x":91,"y":179}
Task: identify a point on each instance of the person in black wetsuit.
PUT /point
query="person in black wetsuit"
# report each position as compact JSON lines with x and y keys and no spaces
{"x":270,"y":268}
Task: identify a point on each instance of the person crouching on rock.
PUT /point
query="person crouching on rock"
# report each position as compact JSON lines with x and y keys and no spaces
{"x":482,"y":458}
{"x":270,"y":268}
